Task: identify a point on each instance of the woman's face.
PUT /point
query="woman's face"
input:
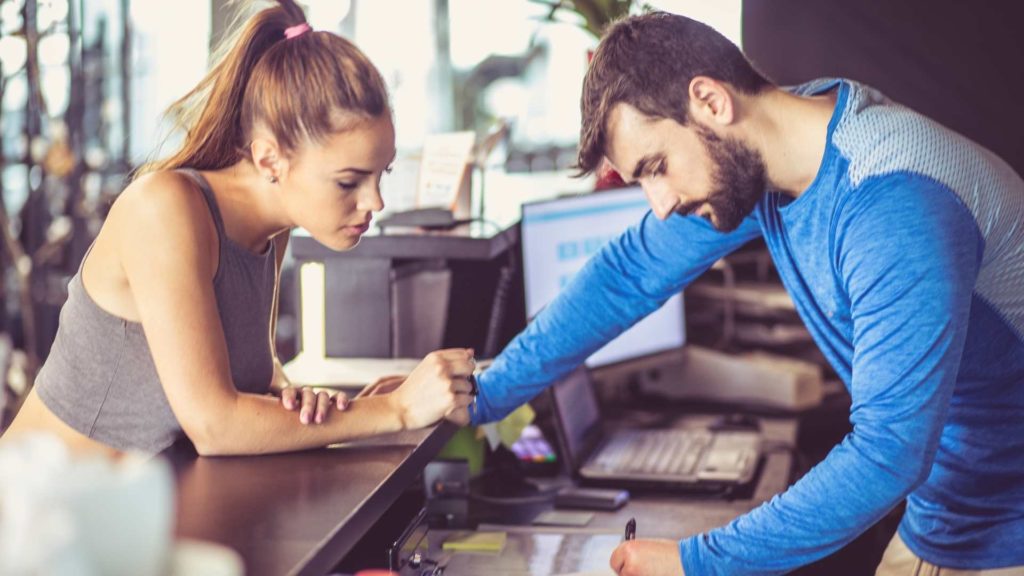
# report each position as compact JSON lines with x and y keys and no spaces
{"x":332,"y":189}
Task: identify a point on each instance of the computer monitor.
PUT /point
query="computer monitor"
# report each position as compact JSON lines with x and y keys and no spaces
{"x":559,"y":236}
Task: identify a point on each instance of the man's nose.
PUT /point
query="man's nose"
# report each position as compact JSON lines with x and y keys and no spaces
{"x":661,"y":200}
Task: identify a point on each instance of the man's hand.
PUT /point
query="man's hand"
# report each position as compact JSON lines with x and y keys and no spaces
{"x":647,"y":558}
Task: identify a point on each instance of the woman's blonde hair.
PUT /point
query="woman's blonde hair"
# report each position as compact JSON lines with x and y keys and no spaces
{"x":303,"y":87}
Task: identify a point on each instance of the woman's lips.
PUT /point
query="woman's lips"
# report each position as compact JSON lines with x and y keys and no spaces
{"x":357,"y":230}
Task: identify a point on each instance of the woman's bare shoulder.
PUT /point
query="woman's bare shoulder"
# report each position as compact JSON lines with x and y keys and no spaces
{"x":164,"y":209}
{"x":162,"y":195}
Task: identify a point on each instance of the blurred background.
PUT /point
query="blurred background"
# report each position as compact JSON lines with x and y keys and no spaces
{"x":83,"y":84}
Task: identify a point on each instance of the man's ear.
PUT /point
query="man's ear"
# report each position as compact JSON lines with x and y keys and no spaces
{"x":268,"y":159}
{"x":711,"y":102}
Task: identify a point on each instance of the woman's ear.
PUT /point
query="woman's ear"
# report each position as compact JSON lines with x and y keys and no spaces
{"x":711,"y":101}
{"x":268,"y":159}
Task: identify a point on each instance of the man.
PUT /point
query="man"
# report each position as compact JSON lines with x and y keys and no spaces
{"x":902,"y":246}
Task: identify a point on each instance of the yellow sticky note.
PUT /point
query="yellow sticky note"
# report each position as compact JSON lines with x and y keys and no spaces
{"x":475,"y":542}
{"x":511,"y":427}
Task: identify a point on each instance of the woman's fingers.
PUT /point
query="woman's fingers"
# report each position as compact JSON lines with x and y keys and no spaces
{"x":341,"y":400}
{"x":459,"y":362}
{"x":461,"y":402}
{"x":313,"y":406}
{"x":385,"y":385}
{"x":459,"y":416}
{"x":461,"y":386}
{"x":288,"y":398}
{"x":454,"y":354}
{"x":431,"y":391}
{"x":308,"y":405}
{"x":323,"y":404}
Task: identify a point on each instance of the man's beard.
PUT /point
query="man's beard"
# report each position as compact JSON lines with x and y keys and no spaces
{"x":738,"y":181}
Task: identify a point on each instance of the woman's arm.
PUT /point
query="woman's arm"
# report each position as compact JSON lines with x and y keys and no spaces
{"x":313,"y":406}
{"x":255,"y":424}
{"x":163,"y":239}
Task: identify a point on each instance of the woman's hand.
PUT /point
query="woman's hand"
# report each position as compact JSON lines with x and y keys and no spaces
{"x":384,"y":385}
{"x":313,"y":406}
{"x":438,"y":388}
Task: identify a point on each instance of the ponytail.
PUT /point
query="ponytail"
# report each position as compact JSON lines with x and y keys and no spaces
{"x":299,"y":86}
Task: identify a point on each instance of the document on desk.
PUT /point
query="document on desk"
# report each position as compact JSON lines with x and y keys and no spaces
{"x":542,"y":554}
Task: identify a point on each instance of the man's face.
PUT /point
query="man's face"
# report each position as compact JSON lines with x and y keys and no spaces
{"x":686,"y":169}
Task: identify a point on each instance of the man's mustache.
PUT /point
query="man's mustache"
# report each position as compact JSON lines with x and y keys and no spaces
{"x":689,"y":207}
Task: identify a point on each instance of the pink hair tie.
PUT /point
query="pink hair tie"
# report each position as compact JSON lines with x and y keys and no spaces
{"x":296,"y":31}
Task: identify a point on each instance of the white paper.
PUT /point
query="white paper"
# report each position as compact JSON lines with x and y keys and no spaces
{"x":443,"y":168}
{"x":345,"y":372}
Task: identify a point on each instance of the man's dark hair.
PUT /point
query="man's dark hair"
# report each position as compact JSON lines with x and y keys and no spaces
{"x":648,"y":62}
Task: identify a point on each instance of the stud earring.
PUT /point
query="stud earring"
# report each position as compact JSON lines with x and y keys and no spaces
{"x":272,"y":179}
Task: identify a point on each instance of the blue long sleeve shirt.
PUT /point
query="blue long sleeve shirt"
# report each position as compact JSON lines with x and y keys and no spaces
{"x":905,"y":260}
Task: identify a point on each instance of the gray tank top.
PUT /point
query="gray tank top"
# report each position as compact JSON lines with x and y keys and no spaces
{"x":99,"y":377}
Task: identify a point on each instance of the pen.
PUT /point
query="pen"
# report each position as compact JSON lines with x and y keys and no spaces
{"x":631,"y":529}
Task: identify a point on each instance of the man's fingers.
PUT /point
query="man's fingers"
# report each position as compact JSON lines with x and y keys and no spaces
{"x":618,"y":559}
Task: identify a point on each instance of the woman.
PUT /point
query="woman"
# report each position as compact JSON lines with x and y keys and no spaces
{"x":168,"y":324}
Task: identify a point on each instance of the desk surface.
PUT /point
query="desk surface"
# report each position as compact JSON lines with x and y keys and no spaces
{"x":658,"y":515}
{"x":301,"y":513}
{"x":537,"y":551}
{"x":298,"y":513}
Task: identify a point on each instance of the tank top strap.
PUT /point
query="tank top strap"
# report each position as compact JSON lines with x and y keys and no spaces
{"x":211,"y":200}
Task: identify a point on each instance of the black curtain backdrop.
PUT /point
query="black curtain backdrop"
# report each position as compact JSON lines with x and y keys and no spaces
{"x":959,"y":62}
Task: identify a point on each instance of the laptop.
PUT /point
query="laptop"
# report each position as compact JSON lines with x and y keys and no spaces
{"x":697,"y":459}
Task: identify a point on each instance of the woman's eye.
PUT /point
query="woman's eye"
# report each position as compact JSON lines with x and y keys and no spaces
{"x":348,"y":186}
{"x":389,"y":169}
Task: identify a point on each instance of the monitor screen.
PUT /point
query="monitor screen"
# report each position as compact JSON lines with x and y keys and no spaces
{"x":559,"y":236}
{"x":578,"y":413}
